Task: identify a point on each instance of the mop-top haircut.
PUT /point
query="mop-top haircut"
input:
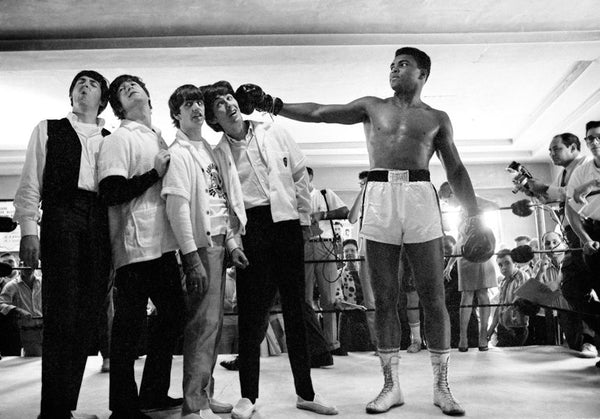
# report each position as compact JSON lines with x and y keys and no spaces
{"x":113,"y":95}
{"x":94,"y":75}
{"x":187,"y":92}
{"x":211,"y":92}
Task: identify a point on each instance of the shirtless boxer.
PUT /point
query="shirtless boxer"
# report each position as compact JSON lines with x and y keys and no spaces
{"x":400,"y":208}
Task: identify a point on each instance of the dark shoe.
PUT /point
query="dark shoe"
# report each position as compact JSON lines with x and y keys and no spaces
{"x":167,"y":404}
{"x":323,"y":360}
{"x":232,"y":365}
{"x":339,"y":352}
{"x":483,"y":348}
{"x":461,"y":349}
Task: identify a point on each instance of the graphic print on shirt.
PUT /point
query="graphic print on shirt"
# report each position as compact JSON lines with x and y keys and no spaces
{"x":215,"y":188}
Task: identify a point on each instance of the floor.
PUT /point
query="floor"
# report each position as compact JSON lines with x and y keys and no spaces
{"x":529,"y":382}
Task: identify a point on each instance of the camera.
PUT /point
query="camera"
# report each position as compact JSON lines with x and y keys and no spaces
{"x":521,"y":176}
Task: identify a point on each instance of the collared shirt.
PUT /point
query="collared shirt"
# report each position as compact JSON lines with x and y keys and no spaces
{"x":289,"y":197}
{"x":349,"y":288}
{"x":29,"y":192}
{"x":18,"y":294}
{"x":584,"y":173}
{"x":196,"y":196}
{"x":509,"y":285}
{"x":139,"y":229}
{"x":252,"y":169}
{"x":318,"y":204}
{"x":557,"y":191}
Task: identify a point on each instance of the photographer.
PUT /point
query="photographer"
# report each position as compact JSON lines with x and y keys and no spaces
{"x":565,"y":151}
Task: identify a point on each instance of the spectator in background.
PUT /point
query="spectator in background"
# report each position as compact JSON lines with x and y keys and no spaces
{"x":354,"y":331}
{"x":21,"y":299}
{"x":474,"y":279}
{"x":527,"y":267}
{"x":522,"y":241}
{"x":565,"y":152}
{"x":584,"y":182}
{"x":511,"y":324}
{"x":354,"y":215}
{"x":10,"y":344}
{"x":325,"y":207}
{"x":452,"y":294}
{"x":550,"y":273}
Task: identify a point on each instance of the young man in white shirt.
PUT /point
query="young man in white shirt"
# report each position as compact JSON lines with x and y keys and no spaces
{"x":131,"y":163}
{"x":262,"y":161}
{"x":201,"y":218}
{"x":60,"y":172}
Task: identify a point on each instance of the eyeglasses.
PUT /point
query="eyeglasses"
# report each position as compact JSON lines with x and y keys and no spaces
{"x":591,"y":138}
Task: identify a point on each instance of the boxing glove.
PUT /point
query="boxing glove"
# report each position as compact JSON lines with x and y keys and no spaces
{"x":251,"y":97}
{"x":479,"y":241}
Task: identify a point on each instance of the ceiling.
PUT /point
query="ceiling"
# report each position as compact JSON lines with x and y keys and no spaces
{"x":510,"y":74}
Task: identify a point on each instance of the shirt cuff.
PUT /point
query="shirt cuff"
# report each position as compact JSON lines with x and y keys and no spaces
{"x":188,"y":246}
{"x":232,"y":244}
{"x":29,"y":228}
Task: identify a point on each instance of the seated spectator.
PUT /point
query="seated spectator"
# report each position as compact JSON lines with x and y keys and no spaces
{"x":10,"y":344}
{"x":21,"y":299}
{"x":354,"y":330}
{"x":511,"y":324}
{"x":549,"y":273}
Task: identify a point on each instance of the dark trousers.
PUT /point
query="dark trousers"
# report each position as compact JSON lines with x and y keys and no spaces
{"x":75,"y":252}
{"x":578,"y":282}
{"x":276,"y":255}
{"x":159,"y":280}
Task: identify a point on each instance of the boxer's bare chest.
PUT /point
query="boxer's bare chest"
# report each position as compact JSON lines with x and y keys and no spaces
{"x":401,"y":138}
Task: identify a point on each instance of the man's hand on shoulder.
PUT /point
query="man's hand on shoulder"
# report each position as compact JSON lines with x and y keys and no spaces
{"x":161,"y":162}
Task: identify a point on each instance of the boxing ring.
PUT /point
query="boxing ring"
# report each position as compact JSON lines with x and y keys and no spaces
{"x":520,"y":382}
{"x":523,"y":382}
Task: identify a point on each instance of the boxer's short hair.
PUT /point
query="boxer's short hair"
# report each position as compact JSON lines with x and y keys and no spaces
{"x":422,"y":59}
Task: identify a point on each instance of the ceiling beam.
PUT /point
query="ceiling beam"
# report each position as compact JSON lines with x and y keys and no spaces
{"x":44,"y":43}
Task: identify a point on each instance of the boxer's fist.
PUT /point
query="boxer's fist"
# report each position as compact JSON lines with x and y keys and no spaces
{"x":479,"y":241}
{"x":251,"y":97}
